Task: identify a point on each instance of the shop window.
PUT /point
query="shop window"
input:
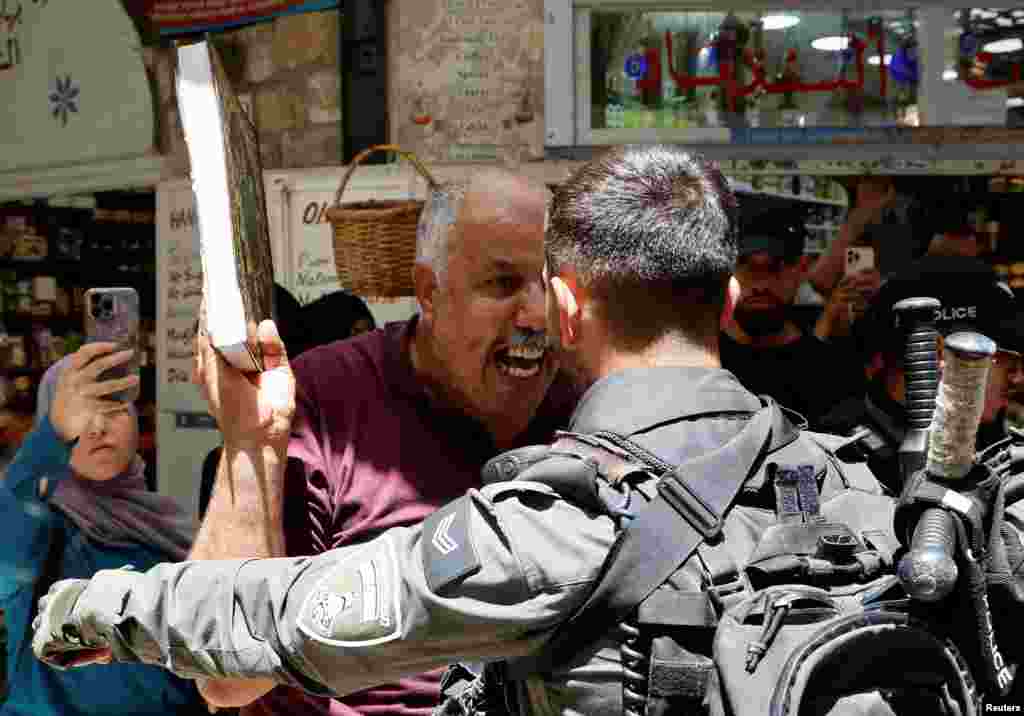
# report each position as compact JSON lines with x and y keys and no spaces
{"x":749,"y":74}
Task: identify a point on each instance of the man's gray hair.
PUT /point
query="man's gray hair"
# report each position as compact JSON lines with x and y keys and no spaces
{"x":433,"y":232}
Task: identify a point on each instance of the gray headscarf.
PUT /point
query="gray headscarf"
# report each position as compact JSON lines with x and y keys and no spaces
{"x":121,"y":511}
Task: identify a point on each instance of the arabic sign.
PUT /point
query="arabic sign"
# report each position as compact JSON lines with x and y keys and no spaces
{"x":11,"y":20}
{"x":173,"y":17}
{"x":855,"y":78}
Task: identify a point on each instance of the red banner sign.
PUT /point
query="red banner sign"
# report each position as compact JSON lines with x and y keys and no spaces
{"x":178,"y":16}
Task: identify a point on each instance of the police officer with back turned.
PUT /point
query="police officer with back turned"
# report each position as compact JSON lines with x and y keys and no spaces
{"x":641,"y":248}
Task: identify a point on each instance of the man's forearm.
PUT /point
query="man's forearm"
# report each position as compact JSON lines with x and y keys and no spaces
{"x":244,"y":517}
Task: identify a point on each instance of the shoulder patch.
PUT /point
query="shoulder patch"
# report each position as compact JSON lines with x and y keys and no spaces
{"x":447,"y":542}
{"x":357,"y":602}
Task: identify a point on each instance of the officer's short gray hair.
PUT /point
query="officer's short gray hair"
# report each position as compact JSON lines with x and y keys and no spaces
{"x":438,"y":218}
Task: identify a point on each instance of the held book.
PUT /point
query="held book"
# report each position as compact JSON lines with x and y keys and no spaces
{"x":231,"y":211}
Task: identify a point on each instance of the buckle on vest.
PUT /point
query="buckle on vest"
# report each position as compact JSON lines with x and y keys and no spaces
{"x":691,"y":507}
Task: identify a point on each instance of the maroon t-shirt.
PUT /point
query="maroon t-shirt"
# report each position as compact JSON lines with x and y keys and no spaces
{"x":370,"y":450}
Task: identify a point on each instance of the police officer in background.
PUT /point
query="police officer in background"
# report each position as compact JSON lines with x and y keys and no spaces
{"x":640,"y":250}
{"x":972,"y":299}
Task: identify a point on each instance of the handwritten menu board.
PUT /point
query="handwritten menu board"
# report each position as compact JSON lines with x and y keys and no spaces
{"x":468,"y":79}
{"x":179,"y":292}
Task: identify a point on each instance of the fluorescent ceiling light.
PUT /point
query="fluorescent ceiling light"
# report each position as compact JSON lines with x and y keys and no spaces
{"x":1013,"y":102}
{"x":949,"y":75}
{"x":779,"y":22}
{"x":1010,"y":44}
{"x":873,"y":60}
{"x":832,"y":43}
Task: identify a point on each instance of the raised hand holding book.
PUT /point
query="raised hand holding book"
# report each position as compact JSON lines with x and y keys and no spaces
{"x":231,"y":211}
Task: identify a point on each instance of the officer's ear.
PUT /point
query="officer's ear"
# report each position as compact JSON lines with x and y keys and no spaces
{"x":732,"y":297}
{"x":566,"y":288}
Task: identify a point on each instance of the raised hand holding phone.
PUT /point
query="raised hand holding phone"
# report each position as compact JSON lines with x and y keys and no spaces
{"x":112,"y":316}
{"x":81,"y":391}
{"x":859,"y":260}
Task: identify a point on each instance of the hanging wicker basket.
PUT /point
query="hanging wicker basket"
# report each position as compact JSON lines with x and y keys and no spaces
{"x":375,"y":241}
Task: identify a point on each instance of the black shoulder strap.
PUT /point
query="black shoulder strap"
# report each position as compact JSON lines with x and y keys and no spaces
{"x":657,"y":542}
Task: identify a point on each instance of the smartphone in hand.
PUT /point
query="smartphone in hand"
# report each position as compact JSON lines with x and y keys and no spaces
{"x":858,"y":259}
{"x":112,"y":315}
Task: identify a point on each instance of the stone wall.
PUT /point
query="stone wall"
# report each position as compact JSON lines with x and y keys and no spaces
{"x":287,"y":71}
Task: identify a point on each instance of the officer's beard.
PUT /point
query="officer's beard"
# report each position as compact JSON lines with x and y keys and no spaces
{"x":760,"y":322}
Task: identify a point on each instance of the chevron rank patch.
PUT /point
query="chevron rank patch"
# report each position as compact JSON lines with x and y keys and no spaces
{"x":357,"y":602}
{"x":448,"y":550}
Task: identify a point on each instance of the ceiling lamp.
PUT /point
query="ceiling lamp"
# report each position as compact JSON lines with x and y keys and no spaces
{"x":779,"y":22}
{"x":1010,"y":44}
{"x":873,"y":60}
{"x":1014,"y":102}
{"x":949,"y":75}
{"x":832,"y":43}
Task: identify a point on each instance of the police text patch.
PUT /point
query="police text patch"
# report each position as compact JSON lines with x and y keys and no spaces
{"x":357,"y":602}
{"x":448,"y":550}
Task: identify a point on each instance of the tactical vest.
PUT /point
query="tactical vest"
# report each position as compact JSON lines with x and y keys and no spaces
{"x":671,"y":640}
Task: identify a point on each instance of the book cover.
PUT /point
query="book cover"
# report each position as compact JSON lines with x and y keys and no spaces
{"x":231,"y":210}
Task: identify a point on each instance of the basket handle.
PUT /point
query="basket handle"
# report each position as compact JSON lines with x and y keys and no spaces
{"x":357,"y":160}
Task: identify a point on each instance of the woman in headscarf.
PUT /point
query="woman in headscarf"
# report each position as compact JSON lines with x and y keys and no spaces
{"x":74,"y":501}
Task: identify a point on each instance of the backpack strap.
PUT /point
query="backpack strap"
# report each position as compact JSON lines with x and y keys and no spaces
{"x":657,"y":543}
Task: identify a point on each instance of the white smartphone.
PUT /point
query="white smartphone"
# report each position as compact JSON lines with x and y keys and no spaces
{"x":859,"y":258}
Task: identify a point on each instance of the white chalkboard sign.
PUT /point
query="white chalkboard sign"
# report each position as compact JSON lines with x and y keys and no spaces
{"x":179,"y":292}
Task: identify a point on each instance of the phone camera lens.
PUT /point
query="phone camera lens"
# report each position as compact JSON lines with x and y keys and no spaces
{"x":108,"y":303}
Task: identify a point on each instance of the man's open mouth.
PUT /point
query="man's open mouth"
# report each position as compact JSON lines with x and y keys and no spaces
{"x":520,"y":361}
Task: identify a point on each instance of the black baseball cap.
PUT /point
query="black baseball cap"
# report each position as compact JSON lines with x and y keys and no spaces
{"x":972,"y":297}
{"x":776,"y":232}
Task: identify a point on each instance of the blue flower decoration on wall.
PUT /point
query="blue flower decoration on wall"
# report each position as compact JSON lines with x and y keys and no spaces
{"x":64,"y":99}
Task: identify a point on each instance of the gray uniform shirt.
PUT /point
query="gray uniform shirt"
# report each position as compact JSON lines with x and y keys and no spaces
{"x":486,"y":577}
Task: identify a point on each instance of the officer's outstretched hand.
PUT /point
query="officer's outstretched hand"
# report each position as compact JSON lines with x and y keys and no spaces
{"x":60,"y":637}
{"x":252,"y":410}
